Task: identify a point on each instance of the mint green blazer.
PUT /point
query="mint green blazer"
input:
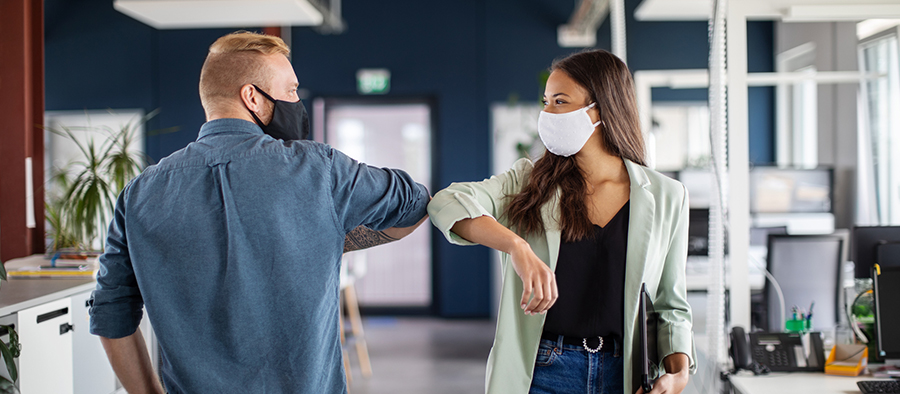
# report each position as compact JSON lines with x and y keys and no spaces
{"x":657,"y":250}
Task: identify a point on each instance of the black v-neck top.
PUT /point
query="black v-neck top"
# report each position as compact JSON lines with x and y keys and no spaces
{"x":590,"y":276}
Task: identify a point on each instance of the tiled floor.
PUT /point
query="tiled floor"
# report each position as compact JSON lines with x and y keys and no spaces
{"x":423,"y":355}
{"x":437,"y":356}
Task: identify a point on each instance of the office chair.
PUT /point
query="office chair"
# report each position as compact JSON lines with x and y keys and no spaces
{"x":759,"y":237}
{"x":808,"y":268}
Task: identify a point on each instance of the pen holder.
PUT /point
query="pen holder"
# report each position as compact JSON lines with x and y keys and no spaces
{"x":798,"y":325}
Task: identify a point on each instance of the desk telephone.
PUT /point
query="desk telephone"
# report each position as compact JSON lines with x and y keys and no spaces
{"x":777,"y":351}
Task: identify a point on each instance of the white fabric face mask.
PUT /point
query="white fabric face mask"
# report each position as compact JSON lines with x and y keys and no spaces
{"x":565,"y":134}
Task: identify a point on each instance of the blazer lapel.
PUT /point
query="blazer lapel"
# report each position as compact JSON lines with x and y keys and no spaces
{"x":640,"y":230}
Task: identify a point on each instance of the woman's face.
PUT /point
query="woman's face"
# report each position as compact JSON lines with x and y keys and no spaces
{"x":562,"y":94}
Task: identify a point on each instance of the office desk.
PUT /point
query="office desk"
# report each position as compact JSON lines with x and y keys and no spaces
{"x":697,"y":275}
{"x":796,"y":382}
{"x":700,"y":281}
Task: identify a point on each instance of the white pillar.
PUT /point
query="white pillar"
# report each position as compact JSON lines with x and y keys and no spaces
{"x":617,"y":24}
{"x":738,"y":165}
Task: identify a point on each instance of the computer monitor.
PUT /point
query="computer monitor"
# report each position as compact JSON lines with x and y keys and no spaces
{"x":807,"y":267}
{"x":887,"y":312}
{"x":698,"y":232}
{"x":868,"y":241}
{"x":789,"y":190}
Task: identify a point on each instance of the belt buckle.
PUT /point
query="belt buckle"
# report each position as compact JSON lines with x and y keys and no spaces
{"x":592,"y":351}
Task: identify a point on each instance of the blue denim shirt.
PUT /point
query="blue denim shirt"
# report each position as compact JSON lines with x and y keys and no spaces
{"x":233,"y":244}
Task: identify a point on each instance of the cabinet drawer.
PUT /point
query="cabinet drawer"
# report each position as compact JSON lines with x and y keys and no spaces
{"x":45,"y":332}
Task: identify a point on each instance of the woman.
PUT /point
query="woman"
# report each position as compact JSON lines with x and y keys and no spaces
{"x":582,"y":228}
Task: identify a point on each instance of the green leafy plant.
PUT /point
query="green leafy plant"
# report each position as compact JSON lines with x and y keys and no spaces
{"x":10,"y":353}
{"x":79,"y":214}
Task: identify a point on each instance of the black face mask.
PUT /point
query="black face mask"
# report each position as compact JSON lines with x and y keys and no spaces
{"x":289,"y":120}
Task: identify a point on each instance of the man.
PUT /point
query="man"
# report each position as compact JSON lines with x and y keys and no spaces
{"x":233,"y":243}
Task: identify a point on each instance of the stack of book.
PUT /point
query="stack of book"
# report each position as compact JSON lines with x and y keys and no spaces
{"x":56,"y":266}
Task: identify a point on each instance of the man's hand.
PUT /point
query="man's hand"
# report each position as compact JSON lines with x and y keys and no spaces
{"x":675,"y":380}
{"x":537,"y":279}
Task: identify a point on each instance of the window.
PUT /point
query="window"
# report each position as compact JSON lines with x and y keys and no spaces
{"x":679,"y":138}
{"x":879,"y":152}
{"x":797,"y":111}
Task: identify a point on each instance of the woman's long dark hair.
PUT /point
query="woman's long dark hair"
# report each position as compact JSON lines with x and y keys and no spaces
{"x":609,"y":84}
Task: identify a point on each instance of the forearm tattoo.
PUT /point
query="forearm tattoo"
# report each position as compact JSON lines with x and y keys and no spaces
{"x":363,"y":237}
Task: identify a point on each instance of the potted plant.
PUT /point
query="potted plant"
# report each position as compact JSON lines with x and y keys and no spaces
{"x":79,"y":210}
{"x":86,"y":189}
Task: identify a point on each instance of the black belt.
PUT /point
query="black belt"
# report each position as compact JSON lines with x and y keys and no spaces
{"x":590,"y":344}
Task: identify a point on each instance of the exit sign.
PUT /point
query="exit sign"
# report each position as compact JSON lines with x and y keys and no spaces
{"x":373,"y":81}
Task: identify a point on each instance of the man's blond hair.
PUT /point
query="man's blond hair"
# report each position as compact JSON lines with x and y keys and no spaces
{"x":235,"y":60}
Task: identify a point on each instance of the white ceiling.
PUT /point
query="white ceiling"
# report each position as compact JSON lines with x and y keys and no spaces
{"x":785,"y":10}
{"x":198,"y":14}
{"x":673,"y":10}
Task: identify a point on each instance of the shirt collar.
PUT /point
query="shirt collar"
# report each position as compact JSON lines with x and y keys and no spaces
{"x":229,"y":126}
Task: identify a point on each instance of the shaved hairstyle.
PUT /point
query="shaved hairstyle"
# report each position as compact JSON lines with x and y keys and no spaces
{"x":233,"y":61}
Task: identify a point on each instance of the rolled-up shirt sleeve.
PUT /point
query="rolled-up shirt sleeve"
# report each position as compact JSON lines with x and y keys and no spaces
{"x":469,"y":200}
{"x":378,"y":198}
{"x":116,"y":304}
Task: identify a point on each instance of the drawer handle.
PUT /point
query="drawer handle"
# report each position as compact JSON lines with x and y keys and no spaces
{"x":65,"y":327}
{"x":52,"y":315}
{"x":4,"y":331}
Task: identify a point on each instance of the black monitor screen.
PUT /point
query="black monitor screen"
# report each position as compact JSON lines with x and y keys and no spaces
{"x":780,"y":190}
{"x":887,"y":312}
{"x":698,"y":232}
{"x":870,"y":242}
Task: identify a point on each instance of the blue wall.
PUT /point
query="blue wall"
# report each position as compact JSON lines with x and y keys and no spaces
{"x":465,"y":54}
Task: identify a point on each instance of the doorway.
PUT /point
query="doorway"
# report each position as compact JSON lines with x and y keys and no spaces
{"x":394,"y":133}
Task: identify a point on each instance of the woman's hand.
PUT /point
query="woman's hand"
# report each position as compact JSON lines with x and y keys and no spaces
{"x":674,"y":382}
{"x":670,"y":383}
{"x":537,"y":279}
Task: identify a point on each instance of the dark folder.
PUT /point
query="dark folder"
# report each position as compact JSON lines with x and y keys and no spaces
{"x":647,"y":317}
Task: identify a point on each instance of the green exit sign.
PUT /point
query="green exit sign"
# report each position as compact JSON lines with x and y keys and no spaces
{"x":373,"y":81}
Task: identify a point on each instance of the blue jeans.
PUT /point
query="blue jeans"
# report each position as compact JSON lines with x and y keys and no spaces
{"x":561,"y":368}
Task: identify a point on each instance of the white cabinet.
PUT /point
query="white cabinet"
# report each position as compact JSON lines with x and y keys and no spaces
{"x":92,"y":373}
{"x":59,"y":354}
{"x":45,"y":332}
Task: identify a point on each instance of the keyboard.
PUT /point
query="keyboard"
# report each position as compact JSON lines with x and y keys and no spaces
{"x":878,"y":386}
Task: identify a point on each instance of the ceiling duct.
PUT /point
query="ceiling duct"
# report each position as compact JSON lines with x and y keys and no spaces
{"x":581,"y":30}
{"x":203,"y":14}
{"x":331,"y":13}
